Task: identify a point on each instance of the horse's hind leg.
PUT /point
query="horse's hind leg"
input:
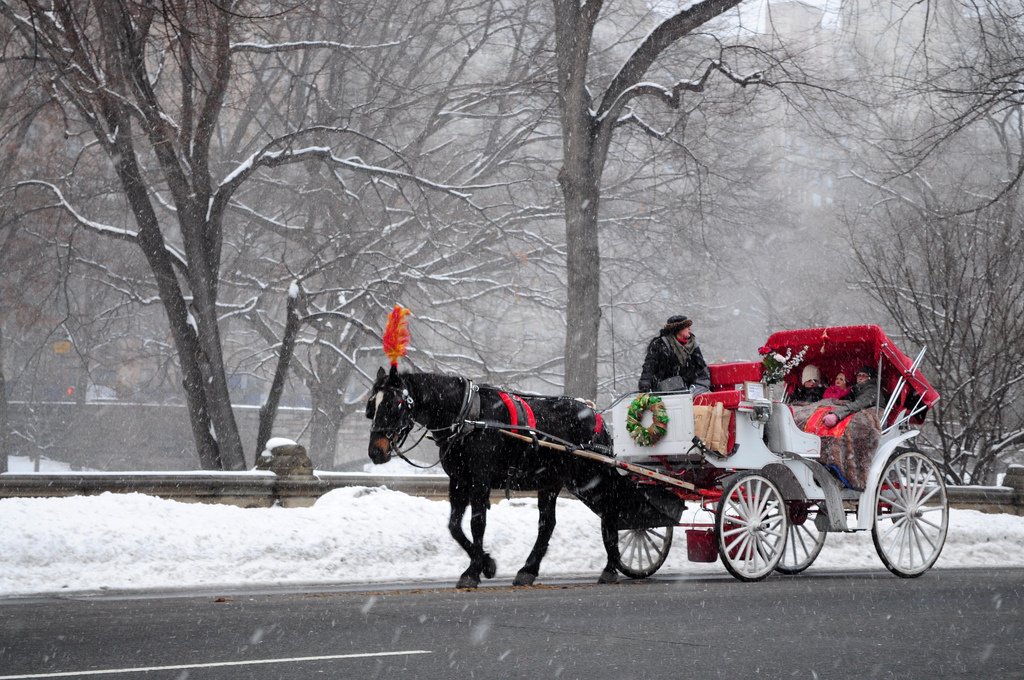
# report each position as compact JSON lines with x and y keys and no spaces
{"x":610,"y":538}
{"x":546,"y":501}
{"x":458,"y":504}
{"x":458,"y":500}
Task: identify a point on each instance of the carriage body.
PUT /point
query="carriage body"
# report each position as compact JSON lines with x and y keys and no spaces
{"x":737,"y":450}
{"x":765,"y":453}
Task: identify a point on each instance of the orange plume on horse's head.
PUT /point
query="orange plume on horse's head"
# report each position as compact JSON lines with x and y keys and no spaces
{"x":396,"y":334}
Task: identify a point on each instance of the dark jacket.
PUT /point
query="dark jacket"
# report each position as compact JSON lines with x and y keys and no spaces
{"x":807,"y":394}
{"x":661,"y":363}
{"x":862,"y":396}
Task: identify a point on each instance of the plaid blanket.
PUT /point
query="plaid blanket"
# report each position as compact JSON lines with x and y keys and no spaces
{"x":851,"y":451}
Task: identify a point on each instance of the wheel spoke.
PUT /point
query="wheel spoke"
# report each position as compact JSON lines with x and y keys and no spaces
{"x":734,"y":531}
{"x":800,"y":536}
{"x":653,"y":533}
{"x":762,"y":501}
{"x":924,"y":534}
{"x":891,"y":497}
{"x":631,"y":547}
{"x":741,"y":546}
{"x":934,"y":490}
{"x":646,"y":543}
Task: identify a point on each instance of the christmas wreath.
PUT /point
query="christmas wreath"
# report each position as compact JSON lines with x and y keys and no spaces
{"x":652,"y":434}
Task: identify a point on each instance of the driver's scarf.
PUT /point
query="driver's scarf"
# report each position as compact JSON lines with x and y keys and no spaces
{"x":682,"y":352}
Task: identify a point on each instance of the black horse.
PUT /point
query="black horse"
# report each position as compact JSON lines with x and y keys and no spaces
{"x":464,"y":421}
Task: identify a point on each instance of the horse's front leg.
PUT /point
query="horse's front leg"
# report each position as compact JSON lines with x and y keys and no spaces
{"x":479,"y":561}
{"x":546,"y":501}
{"x":610,"y":539}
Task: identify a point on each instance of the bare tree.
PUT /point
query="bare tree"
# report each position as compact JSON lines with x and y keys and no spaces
{"x":355,"y":247}
{"x":956,"y":285}
{"x":150,"y":83}
{"x":591,"y":112}
{"x":935,"y":216}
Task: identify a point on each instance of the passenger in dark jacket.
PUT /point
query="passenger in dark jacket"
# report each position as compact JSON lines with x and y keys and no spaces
{"x":862,"y":395}
{"x":810,"y":388}
{"x":675,"y":354}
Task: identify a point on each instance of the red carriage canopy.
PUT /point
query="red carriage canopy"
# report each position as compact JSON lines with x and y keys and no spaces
{"x":844,"y":349}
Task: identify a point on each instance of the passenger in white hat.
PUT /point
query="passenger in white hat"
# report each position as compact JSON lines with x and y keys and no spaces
{"x":810,"y":388}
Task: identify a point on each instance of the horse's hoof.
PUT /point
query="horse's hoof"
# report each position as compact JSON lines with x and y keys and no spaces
{"x":490,"y":566}
{"x":468,"y":582}
{"x":608,"y":576}
{"x":524,"y":579}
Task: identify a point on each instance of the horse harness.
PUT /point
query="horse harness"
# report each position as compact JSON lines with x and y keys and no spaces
{"x":520,"y":417}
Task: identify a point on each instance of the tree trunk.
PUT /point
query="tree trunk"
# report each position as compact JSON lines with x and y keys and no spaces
{"x":586,"y":135}
{"x":268,"y":412}
{"x":186,"y":344}
{"x":323,"y":429}
{"x":583,"y":264}
{"x":4,"y":451}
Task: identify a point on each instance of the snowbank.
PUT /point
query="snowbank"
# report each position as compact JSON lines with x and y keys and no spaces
{"x":351,"y":535}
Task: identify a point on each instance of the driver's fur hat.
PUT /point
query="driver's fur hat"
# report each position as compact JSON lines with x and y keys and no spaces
{"x":675,"y":324}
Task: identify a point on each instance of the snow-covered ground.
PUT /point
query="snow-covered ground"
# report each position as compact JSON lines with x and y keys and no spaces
{"x":352,"y":535}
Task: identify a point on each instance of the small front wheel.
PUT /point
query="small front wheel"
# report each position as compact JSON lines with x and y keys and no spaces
{"x":804,"y":541}
{"x":751,"y":525}
{"x":911,"y":514}
{"x":641,"y":552}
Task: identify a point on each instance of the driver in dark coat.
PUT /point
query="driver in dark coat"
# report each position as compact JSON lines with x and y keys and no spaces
{"x":674,"y":360}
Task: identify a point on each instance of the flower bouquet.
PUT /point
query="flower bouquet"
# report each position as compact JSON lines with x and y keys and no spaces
{"x":775,"y":366}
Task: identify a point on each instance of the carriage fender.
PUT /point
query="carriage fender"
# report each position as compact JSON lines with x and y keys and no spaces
{"x":779,"y":475}
{"x":866,"y":508}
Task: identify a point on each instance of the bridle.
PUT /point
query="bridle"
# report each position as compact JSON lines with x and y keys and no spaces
{"x":396,"y":436}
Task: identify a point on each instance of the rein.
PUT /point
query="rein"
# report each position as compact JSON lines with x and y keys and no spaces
{"x":401,"y":453}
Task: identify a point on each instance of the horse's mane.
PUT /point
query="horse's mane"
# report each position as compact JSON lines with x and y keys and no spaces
{"x":452,"y":379}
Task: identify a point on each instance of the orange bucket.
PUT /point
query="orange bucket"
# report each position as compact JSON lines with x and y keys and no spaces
{"x":701,"y":546}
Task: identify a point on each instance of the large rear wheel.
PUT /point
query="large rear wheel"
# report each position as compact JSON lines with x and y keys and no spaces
{"x":641,"y":552}
{"x":751,"y":525}
{"x":911,"y":514}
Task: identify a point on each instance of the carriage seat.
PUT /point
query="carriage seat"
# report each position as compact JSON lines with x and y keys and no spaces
{"x":784,"y":435}
{"x":731,"y":376}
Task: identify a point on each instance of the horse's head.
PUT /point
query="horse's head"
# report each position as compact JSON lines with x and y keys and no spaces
{"x":390,"y":408}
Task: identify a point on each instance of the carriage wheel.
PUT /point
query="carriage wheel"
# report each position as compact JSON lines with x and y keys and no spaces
{"x":911,"y":514}
{"x":803,"y":540}
{"x":641,"y":551}
{"x":751,"y":527}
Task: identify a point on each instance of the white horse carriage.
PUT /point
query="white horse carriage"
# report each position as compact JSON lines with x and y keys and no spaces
{"x":774,"y":478}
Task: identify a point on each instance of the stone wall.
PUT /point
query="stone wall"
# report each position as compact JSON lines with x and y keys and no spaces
{"x":114,"y":436}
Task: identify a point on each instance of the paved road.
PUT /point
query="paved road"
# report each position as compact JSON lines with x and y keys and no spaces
{"x":946,"y":624}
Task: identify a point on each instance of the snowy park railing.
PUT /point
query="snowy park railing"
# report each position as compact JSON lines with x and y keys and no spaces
{"x":261,"y":488}
{"x":252,"y":489}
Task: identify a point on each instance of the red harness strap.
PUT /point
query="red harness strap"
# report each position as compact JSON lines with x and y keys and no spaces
{"x":513,"y":402}
{"x":815,"y":426}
